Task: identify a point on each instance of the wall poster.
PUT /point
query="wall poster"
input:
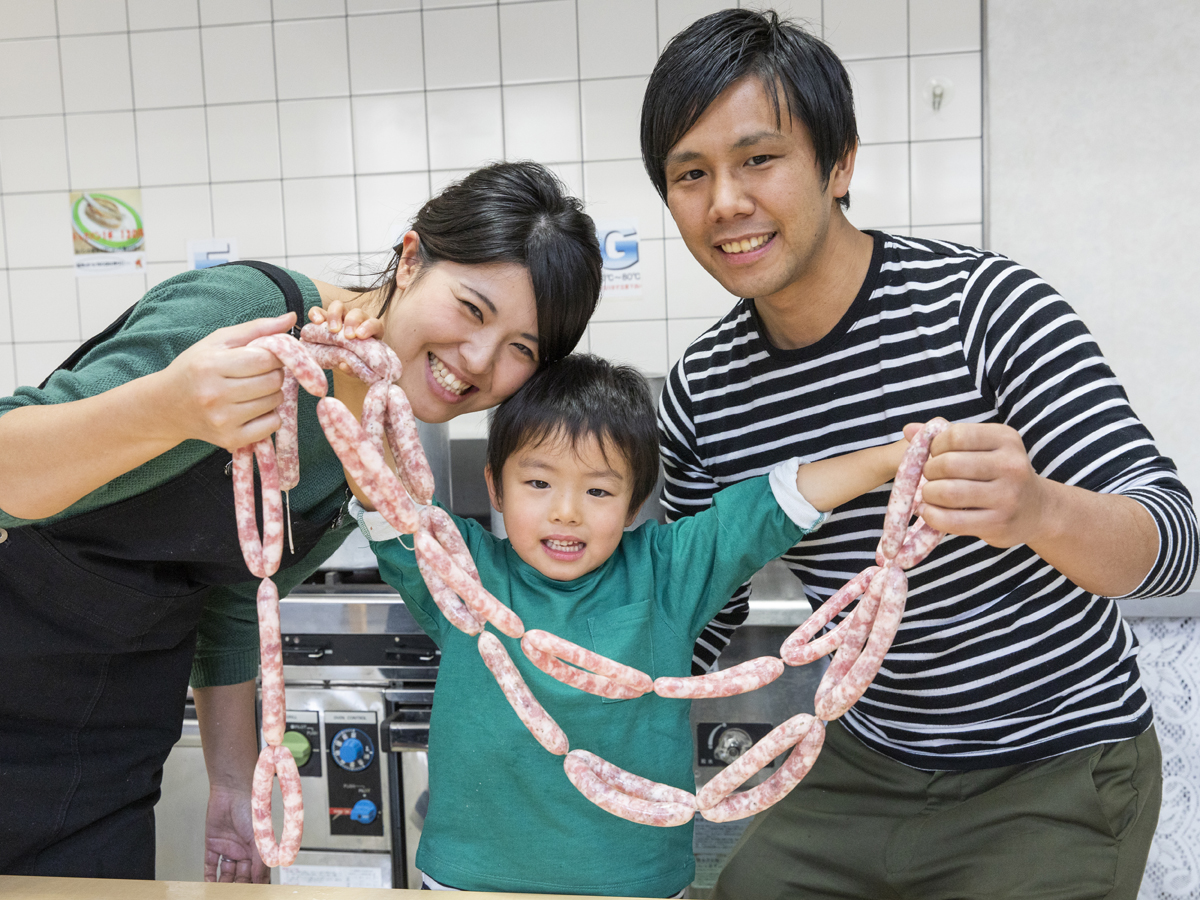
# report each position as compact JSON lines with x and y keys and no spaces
{"x":107,"y":230}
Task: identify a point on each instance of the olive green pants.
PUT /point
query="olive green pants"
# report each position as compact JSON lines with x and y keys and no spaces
{"x":862,"y":825}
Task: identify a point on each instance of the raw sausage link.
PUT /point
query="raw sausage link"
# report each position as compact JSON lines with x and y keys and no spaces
{"x":782,"y":737}
{"x":262,"y":557}
{"x":329,"y":357}
{"x":856,"y":681}
{"x":855,"y":631}
{"x":577,"y":678}
{"x":921,"y":540}
{"x":646,"y":812}
{"x":544,"y":729}
{"x":601,"y":665}
{"x":279,"y":760}
{"x":366,"y":466}
{"x":373,"y":414}
{"x":270,"y":652}
{"x":798,"y":651}
{"x":437,"y":522}
{"x":402,"y":434}
{"x":904,"y":488}
{"x":775,"y":788}
{"x":474,"y":594}
{"x":287,"y":443}
{"x":447,"y":601}
{"x":739,"y":679}
{"x":634,"y":785}
{"x":378,"y":356}
{"x":296,"y":359}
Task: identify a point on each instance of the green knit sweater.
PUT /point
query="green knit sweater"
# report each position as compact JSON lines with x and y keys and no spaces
{"x":173,"y":316}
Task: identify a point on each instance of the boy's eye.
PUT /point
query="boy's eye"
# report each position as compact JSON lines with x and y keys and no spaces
{"x":598,"y":492}
{"x":537,"y":484}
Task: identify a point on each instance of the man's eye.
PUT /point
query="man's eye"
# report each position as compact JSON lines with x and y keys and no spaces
{"x":759,"y":160}
{"x":692,"y":175}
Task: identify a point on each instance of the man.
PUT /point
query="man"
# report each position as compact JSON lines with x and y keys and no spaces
{"x":1006,"y":747}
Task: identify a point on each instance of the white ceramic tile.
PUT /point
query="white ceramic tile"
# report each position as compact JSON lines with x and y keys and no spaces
{"x":102,"y":150}
{"x":676,"y":15}
{"x":90,"y":16}
{"x":462,"y":47}
{"x":612,"y":111}
{"x":35,"y":361}
{"x":691,"y":291}
{"x":320,"y":216}
{"x":33,"y":154}
{"x":943,"y":26}
{"x":866,"y":28}
{"x":386,"y":53}
{"x":339,"y":269}
{"x":446,"y":4}
{"x":616,"y":38}
{"x":3,"y":251}
{"x":310,"y":59}
{"x":652,"y":303}
{"x":144,"y":14}
{"x":879,"y":189}
{"x":44,"y":308}
{"x":387,"y":205}
{"x":970,"y":235}
{"x":538,"y":41}
{"x":880,"y":99}
{"x":238,"y":63}
{"x":954,"y":81}
{"x":243,"y":142}
{"x":29,"y":74}
{"x":95,"y":71}
{"x":541,"y":121}
{"x":252,"y":213}
{"x":166,"y":68}
{"x":172,"y":146}
{"x":804,"y":13}
{"x":947,"y":182}
{"x":640,"y":344}
{"x":681,"y":332}
{"x":389,"y":133}
{"x":174,"y":216}
{"x":8,"y":370}
{"x":22,"y":19}
{"x":157,"y":273}
{"x":571,"y":175}
{"x":440,"y":179}
{"x":465,"y":128}
{"x":228,"y":12}
{"x":306,"y":9}
{"x":357,"y":7}
{"x":101,"y":300}
{"x":5,"y":327}
{"x":315,"y":137}
{"x":621,"y":190}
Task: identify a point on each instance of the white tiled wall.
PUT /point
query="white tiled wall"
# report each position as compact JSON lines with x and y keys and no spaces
{"x":311,"y":130}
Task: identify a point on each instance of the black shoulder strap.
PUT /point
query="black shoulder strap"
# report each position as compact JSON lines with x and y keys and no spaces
{"x":291,"y":296}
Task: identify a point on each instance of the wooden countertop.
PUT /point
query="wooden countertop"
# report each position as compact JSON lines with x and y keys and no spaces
{"x":21,"y":886}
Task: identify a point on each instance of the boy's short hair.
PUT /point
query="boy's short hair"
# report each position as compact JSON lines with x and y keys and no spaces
{"x":712,"y":53}
{"x":580,"y":396}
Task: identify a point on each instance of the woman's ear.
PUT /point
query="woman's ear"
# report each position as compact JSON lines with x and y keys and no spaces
{"x":493,"y":493}
{"x":408,"y":249}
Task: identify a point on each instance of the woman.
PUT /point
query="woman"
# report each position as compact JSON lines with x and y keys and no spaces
{"x":120,"y":571}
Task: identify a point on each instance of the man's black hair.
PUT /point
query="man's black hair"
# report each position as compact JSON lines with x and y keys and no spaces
{"x":712,"y":53}
{"x":578,"y":397}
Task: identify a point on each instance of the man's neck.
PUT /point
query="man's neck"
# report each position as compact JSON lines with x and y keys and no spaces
{"x":812,"y":305}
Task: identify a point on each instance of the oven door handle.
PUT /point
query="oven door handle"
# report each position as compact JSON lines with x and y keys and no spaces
{"x":406,"y":729}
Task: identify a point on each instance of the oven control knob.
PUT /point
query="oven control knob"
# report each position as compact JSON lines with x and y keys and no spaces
{"x":352,"y":749}
{"x":299,"y":745}
{"x":363,"y":812}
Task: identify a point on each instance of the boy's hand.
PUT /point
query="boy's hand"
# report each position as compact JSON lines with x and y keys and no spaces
{"x":353,"y":323}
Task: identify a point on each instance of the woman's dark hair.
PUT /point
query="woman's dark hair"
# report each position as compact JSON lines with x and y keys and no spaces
{"x":712,"y":53}
{"x":583,"y":396}
{"x":516,"y":212}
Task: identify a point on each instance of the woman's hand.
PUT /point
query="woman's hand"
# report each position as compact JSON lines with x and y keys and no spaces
{"x":353,"y":323}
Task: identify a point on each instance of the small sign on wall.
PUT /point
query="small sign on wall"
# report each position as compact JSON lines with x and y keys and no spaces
{"x":211,"y":252}
{"x":107,"y":230}
{"x":622,"y":266}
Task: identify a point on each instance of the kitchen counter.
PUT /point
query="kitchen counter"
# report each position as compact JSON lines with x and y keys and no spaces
{"x":116,"y":889}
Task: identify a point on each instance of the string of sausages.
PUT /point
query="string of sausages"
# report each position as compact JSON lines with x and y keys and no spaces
{"x":859,"y":642}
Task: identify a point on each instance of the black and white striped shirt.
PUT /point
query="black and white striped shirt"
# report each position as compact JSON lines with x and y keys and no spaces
{"x":999,"y":659}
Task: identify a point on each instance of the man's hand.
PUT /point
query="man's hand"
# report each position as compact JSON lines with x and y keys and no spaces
{"x":229,"y":851}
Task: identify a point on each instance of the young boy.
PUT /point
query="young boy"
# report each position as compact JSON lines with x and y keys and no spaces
{"x":571,"y":458}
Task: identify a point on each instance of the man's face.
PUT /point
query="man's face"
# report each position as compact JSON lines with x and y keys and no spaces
{"x":746,"y":193}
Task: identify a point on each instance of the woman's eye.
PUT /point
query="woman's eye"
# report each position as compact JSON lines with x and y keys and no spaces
{"x":525,"y":351}
{"x":474,"y":310}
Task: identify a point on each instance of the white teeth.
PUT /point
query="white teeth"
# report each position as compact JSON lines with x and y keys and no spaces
{"x":564,"y":546}
{"x":747,"y":244}
{"x":445,"y":377}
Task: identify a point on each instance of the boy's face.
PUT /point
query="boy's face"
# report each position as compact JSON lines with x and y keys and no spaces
{"x":564,"y":508}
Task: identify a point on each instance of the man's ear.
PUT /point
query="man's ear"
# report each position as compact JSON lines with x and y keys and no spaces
{"x":842,"y":173}
{"x":493,"y":493}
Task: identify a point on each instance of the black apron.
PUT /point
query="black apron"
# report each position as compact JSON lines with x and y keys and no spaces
{"x":98,"y":621}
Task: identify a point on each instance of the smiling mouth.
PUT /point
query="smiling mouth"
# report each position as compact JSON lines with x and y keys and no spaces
{"x":563,"y":549}
{"x":446,"y":378}
{"x":747,"y":244}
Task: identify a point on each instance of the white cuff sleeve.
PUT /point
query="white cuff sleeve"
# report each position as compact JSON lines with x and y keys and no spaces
{"x":790,"y":500}
{"x":373,"y":525}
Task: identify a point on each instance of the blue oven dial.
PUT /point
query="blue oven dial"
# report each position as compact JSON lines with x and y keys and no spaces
{"x":352,"y":749}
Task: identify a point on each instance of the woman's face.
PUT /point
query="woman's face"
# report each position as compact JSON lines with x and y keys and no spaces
{"x":466,"y":334}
